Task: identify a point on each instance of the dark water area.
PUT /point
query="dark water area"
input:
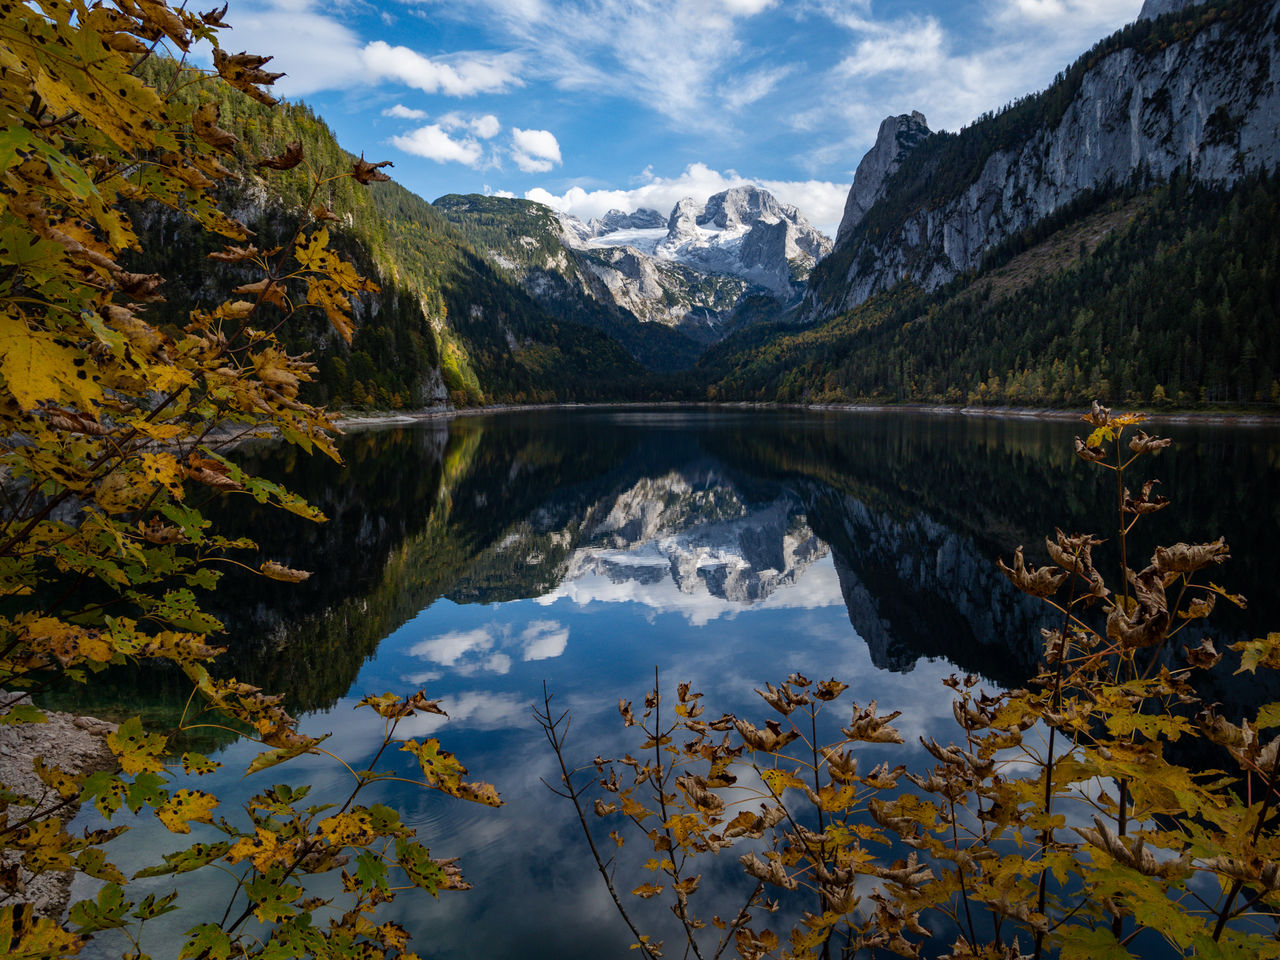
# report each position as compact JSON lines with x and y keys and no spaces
{"x":483,"y":557}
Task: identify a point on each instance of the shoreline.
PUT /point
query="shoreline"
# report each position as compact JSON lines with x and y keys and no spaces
{"x":348,"y":422}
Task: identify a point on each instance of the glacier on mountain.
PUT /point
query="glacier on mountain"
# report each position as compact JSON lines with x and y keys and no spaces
{"x":743,"y":232}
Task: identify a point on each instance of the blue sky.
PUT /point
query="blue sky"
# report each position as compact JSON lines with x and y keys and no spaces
{"x":593,"y":104}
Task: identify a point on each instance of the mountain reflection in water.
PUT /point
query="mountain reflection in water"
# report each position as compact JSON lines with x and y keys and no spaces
{"x":481,"y":557}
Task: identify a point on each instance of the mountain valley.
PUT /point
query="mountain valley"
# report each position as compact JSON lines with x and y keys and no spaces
{"x":1112,"y":236}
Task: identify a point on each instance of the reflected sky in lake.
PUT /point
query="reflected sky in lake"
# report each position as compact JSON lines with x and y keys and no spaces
{"x":483,"y":558}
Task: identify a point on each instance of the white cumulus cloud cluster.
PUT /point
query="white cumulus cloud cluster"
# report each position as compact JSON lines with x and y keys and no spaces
{"x":491,"y":648}
{"x":401,"y":112}
{"x":453,"y":138}
{"x":435,"y":144}
{"x":534,"y":151}
{"x":670,"y":55}
{"x":458,"y":76}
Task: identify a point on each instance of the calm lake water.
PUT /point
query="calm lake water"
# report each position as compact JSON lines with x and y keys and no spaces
{"x":482,"y":558}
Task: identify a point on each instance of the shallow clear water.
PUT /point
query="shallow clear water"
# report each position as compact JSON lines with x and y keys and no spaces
{"x":583,"y":549}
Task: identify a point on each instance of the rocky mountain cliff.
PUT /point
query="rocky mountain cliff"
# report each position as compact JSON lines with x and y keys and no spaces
{"x":1151,"y":9}
{"x":1192,"y":88}
{"x":744,"y":232}
{"x":663,"y":286}
{"x":897,"y":137}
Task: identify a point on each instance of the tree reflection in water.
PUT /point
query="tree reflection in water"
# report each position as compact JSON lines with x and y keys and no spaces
{"x":485,"y":555}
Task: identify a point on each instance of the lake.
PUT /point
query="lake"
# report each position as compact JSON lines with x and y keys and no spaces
{"x":483,"y":557}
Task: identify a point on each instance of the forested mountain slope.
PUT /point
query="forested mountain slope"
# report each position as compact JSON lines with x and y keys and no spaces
{"x":1135,"y":296}
{"x":525,"y":243}
{"x":1196,"y":91}
{"x":444,"y":328}
{"x":1115,"y":236}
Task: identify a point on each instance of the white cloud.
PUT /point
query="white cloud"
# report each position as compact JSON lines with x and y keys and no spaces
{"x":498,"y":663}
{"x":916,"y":47}
{"x":457,"y":76}
{"x":474,"y":710}
{"x":433,"y":143}
{"x":748,"y":8}
{"x":489,"y":649}
{"x":671,"y":56}
{"x":896,"y":64}
{"x":534,"y":151}
{"x":544,"y":640}
{"x":742,"y":91}
{"x":401,"y":112}
{"x":818,"y":586}
{"x":425,"y":676}
{"x":821,"y":202}
{"x":485,"y":127}
{"x":315,"y":51}
{"x":1095,"y":15}
{"x":447,"y":649}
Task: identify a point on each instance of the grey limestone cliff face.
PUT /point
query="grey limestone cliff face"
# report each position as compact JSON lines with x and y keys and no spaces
{"x":642,"y":219}
{"x":1158,"y":8}
{"x":760,"y":239}
{"x":743,"y":206}
{"x":897,"y":137}
{"x":1208,"y":105}
{"x":742,"y":241}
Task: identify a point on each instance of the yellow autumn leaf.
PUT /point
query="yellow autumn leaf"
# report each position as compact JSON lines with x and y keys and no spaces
{"x":185,"y":807}
{"x":27,"y":935}
{"x":36,"y":368}
{"x":167,"y":377}
{"x":263,"y":848}
{"x":779,"y":780}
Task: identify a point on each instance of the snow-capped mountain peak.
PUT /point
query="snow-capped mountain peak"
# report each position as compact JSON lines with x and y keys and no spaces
{"x":743,"y":232}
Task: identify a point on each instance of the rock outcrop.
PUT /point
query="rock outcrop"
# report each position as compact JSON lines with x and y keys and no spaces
{"x":1158,"y":8}
{"x":74,"y":745}
{"x":1206,"y":103}
{"x":743,"y":232}
{"x":898,"y":136}
{"x":614,"y":220}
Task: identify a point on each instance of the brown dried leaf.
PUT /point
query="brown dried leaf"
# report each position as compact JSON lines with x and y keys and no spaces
{"x":290,"y":158}
{"x":869,"y":728}
{"x":365,"y":172}
{"x":1099,"y":416}
{"x":268,"y":290}
{"x":213,"y":18}
{"x":205,"y":124}
{"x":1092,"y":454}
{"x":1188,"y":558}
{"x":780,"y":698}
{"x":157,"y":531}
{"x":1146,"y":444}
{"x":140,"y":286}
{"x":235,"y":254}
{"x":1203,"y":657}
{"x":277,"y":571}
{"x":841,"y":764}
{"x":1144,"y":504}
{"x":1039,"y":582}
{"x":828,"y":690}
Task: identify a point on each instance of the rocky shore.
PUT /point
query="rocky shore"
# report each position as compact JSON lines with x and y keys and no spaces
{"x":75,"y":745}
